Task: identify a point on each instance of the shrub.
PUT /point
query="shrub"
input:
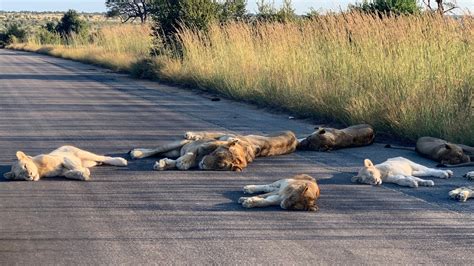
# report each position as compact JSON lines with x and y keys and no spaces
{"x":70,"y":24}
{"x":396,"y":7}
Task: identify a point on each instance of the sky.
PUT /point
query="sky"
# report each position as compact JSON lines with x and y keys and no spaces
{"x":301,"y":6}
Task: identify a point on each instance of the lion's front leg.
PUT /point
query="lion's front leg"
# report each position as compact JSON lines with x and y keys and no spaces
{"x":402,"y":180}
{"x":83,"y":175}
{"x":462,"y":194}
{"x":260,"y":201}
{"x":197,"y":135}
{"x":75,"y":170}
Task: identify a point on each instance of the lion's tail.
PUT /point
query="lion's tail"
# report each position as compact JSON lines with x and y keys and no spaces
{"x":389,"y":146}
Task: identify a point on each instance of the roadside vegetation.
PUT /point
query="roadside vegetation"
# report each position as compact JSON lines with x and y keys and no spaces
{"x":407,"y":73}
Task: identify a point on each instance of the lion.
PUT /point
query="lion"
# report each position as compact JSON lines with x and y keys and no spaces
{"x":400,"y":171}
{"x":462,"y":194}
{"x":67,"y":161}
{"x":325,"y":139}
{"x":470,"y":176}
{"x":218,"y":150}
{"x":447,"y":154}
{"x":299,"y":192}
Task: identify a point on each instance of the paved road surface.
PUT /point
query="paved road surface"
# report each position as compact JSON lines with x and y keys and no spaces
{"x":136,"y":216}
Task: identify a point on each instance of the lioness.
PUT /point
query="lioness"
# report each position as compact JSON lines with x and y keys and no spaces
{"x":218,"y":150}
{"x":400,"y":171}
{"x":462,"y":194}
{"x":446,"y":153}
{"x":297,"y":193}
{"x":67,"y":161}
{"x":325,"y":139}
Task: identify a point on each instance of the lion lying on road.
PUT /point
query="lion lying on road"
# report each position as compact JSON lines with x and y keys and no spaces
{"x":400,"y":171}
{"x":297,"y":193}
{"x":462,"y":194}
{"x":446,"y":153}
{"x":67,"y":161}
{"x":218,"y":150}
{"x":325,"y":139}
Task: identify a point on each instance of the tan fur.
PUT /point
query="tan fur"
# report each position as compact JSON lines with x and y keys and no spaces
{"x":444,"y":152}
{"x":462,"y":194}
{"x":400,"y":171}
{"x":218,"y":151}
{"x":324,"y":139}
{"x":67,"y":161}
{"x":297,"y":193}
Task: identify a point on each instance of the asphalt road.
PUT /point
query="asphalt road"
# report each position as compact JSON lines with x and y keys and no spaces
{"x":137,"y":216}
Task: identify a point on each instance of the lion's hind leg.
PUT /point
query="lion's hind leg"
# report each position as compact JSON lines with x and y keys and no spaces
{"x":462,"y":194}
{"x":88,"y":158}
{"x":252,"y":189}
{"x":198,"y":135}
{"x":421,"y":171}
{"x":140,"y":153}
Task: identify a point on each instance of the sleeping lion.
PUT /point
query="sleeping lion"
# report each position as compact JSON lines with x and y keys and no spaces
{"x":325,"y":139}
{"x":446,"y":153}
{"x":400,"y":171}
{"x":218,"y":150}
{"x":463,"y":193}
{"x":67,"y":161}
{"x":297,"y":193}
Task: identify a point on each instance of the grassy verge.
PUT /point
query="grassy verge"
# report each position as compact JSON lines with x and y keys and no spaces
{"x":412,"y":76}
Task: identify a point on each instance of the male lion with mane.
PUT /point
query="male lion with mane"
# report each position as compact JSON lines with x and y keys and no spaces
{"x":67,"y":161}
{"x":299,"y":192}
{"x":218,"y":150}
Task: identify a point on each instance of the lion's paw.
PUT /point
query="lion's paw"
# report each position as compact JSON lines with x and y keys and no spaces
{"x":136,"y":154}
{"x":249,"y":203}
{"x":121,"y":161}
{"x":191,"y":136}
{"x":428,"y":183}
{"x":249,"y":189}
{"x":470,"y":176}
{"x":446,"y":174}
{"x":242,"y":199}
{"x":160,"y":165}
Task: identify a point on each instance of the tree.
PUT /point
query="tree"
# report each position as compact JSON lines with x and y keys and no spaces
{"x":232,"y":10}
{"x":444,"y":6}
{"x":15,"y":33}
{"x":71,"y":23}
{"x":129,"y":9}
{"x":396,"y":7}
{"x":268,"y":12}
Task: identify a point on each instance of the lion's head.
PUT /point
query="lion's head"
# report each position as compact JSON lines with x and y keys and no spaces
{"x":452,"y":154}
{"x":229,"y":157}
{"x":321,"y":139}
{"x":23,"y":169}
{"x":301,"y":195}
{"x":368,"y":174}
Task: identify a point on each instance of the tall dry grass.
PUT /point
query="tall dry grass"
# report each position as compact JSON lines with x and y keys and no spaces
{"x":412,"y":76}
{"x":115,"y":47}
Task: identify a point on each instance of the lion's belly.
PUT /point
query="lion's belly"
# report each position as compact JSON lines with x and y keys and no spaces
{"x":397,"y":168}
{"x":50,"y":165}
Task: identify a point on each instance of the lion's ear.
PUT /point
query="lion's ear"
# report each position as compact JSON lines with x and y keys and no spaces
{"x":322,"y":131}
{"x":447,"y":146}
{"x":233,"y":142}
{"x":368,"y":163}
{"x":316,"y":127}
{"x":9,"y":175}
{"x":21,"y":155}
{"x":236,"y":168}
{"x":354,"y":179}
